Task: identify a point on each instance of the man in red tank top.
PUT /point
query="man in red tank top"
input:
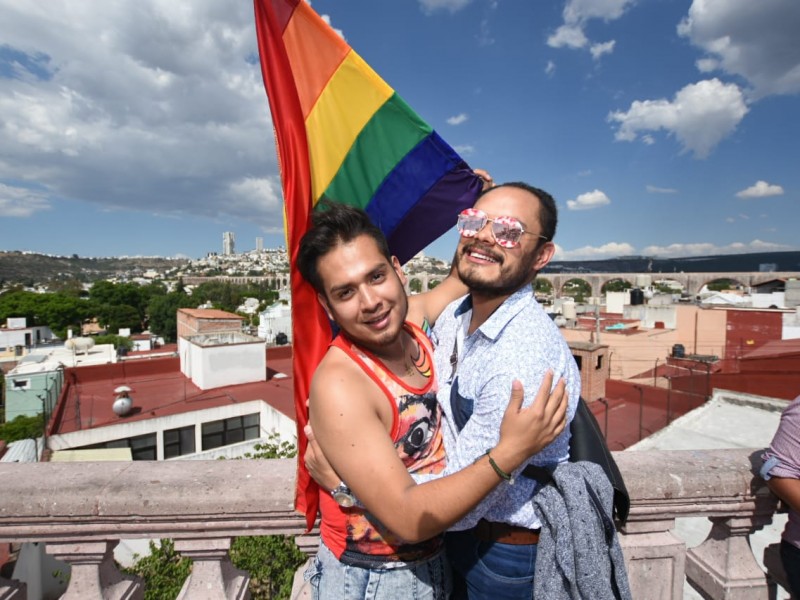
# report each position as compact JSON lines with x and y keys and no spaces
{"x":374,"y":414}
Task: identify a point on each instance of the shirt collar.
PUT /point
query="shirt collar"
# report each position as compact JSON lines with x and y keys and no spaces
{"x":512,"y":305}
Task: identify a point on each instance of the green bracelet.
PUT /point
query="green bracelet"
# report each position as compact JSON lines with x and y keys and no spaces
{"x":500,"y":473}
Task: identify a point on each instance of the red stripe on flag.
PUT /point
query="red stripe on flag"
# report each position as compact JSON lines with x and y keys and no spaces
{"x":310,"y":327}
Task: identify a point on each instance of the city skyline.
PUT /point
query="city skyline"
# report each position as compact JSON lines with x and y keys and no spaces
{"x":661,"y":129}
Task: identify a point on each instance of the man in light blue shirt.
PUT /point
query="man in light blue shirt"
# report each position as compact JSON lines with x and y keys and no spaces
{"x":496,"y":334}
{"x":484,"y":341}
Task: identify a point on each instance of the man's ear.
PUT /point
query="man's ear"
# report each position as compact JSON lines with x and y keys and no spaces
{"x":546,"y":253}
{"x":324,"y":303}
{"x":399,"y":270}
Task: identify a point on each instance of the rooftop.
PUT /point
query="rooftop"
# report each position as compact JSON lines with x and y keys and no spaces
{"x":160,"y":389}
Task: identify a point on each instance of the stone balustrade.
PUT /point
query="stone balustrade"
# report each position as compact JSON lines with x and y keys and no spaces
{"x":81,"y":511}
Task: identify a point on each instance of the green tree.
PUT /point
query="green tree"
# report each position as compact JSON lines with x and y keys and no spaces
{"x":617,"y":285}
{"x":721,"y":284}
{"x":19,"y":303}
{"x":113,"y":317}
{"x":117,"y":340}
{"x":22,"y":427}
{"x":577,"y":289}
{"x":164,"y":571}
{"x":271,"y":560}
{"x":69,"y":287}
{"x":60,"y":312}
{"x":163,"y":313}
{"x":415,"y":285}
{"x":542,"y":286}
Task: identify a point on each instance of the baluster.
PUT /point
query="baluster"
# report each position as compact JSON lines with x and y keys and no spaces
{"x":213,"y":575}
{"x":723,"y":566}
{"x":94,"y":576}
{"x":655,"y":559}
{"x":309,"y":544}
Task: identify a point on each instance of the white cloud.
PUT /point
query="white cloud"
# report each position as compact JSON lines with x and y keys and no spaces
{"x":464,"y":149}
{"x":163,"y":115}
{"x":708,"y":249}
{"x":430,"y":6}
{"x":659,"y":190}
{"x":610,"y":250}
{"x":707,"y":65}
{"x":457,"y":119}
{"x":589,"y":200}
{"x":21,"y":202}
{"x":599,"y":50}
{"x":754,"y":40}
{"x":568,"y":36}
{"x":580,"y":11}
{"x":577,"y":13}
{"x":550,"y":68}
{"x":700,"y":116}
{"x":327,"y":19}
{"x":484,"y":35}
{"x":761,"y":189}
{"x":730,"y":220}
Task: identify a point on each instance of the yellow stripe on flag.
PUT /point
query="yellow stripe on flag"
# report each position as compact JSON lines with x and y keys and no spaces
{"x":353,"y":95}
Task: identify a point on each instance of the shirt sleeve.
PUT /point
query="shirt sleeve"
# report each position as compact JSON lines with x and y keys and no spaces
{"x":782,"y":458}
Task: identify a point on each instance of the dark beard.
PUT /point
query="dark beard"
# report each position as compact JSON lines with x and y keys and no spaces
{"x":508,"y":282}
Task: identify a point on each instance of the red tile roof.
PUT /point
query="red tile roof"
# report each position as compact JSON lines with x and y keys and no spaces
{"x":210,"y":313}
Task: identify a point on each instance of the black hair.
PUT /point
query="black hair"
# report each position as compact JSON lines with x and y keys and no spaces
{"x":548,"y":213}
{"x":333,"y":224}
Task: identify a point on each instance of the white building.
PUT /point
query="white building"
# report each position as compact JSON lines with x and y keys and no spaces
{"x":16,"y":334}
{"x":228,"y":243}
{"x":274,"y":320}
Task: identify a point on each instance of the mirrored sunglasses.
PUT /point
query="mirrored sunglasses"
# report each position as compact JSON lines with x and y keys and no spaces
{"x":507,"y":231}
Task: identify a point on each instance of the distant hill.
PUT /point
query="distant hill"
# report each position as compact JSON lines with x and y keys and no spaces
{"x":24,"y":267}
{"x":724,"y":263}
{"x":28,"y":268}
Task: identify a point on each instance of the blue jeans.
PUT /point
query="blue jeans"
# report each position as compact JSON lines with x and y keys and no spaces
{"x":489,"y":569}
{"x":333,"y":580}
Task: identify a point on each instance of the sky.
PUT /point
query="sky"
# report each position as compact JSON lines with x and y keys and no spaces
{"x":662,"y":127}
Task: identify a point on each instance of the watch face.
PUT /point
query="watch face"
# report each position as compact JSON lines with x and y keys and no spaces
{"x":343,"y":497}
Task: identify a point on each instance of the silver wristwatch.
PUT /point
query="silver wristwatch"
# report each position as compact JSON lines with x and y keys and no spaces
{"x":343,"y":496}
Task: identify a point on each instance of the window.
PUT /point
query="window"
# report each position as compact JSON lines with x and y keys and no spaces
{"x":598,"y":362}
{"x":143,"y":447}
{"x":178,"y":442}
{"x":578,"y":361}
{"x":21,"y":384}
{"x":230,"y":431}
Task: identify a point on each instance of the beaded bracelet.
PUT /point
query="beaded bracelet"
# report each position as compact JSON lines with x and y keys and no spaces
{"x":500,"y":473}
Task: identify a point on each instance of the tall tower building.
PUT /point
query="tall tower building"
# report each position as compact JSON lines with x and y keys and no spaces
{"x":259,"y":243}
{"x":228,"y":243}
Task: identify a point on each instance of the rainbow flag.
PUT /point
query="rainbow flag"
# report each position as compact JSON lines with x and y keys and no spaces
{"x":344,"y":135}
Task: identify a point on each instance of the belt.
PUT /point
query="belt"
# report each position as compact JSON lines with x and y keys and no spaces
{"x":504,"y":533}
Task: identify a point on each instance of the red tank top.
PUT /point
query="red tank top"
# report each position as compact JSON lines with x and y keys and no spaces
{"x":353,"y":535}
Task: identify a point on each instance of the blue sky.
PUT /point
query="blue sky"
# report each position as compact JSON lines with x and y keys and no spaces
{"x":662,"y":127}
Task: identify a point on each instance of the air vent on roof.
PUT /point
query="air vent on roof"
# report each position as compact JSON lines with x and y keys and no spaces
{"x":123,"y":403}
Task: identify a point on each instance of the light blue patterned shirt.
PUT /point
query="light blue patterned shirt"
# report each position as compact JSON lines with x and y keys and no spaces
{"x":518,"y":341}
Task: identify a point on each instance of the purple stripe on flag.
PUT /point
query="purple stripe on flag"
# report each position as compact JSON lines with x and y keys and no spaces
{"x":410,"y":179}
{"x":435,"y":212}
